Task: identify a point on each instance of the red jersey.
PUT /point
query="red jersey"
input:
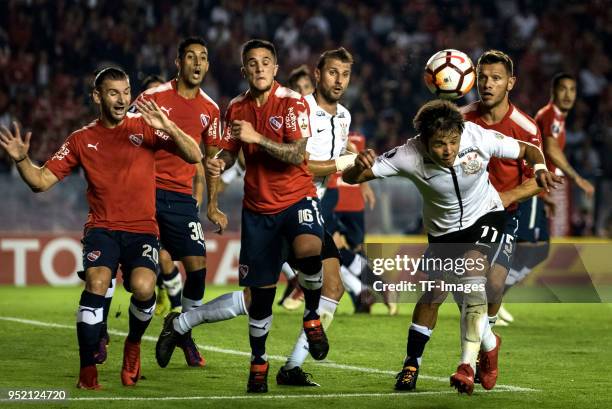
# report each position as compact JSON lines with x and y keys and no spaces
{"x":198,"y":117}
{"x":350,"y":198}
{"x":506,"y":174}
{"x":271,"y":185}
{"x":551,"y":122}
{"x":119,"y":165}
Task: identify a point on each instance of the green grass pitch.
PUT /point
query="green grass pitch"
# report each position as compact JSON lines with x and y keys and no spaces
{"x":554,"y":355}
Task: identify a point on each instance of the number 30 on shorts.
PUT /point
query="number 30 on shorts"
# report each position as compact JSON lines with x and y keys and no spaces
{"x":196,"y":231}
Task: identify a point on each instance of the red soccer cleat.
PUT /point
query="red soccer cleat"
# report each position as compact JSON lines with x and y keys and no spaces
{"x":317,"y":340}
{"x":463,"y":379}
{"x":258,"y":378}
{"x":88,"y":378}
{"x":130,"y":372}
{"x":487,"y":365}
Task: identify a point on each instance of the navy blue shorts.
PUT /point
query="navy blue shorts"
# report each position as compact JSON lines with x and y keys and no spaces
{"x":180,"y":230}
{"x":328,"y":204}
{"x":111,"y":248}
{"x":265,"y":240}
{"x":483,"y":236}
{"x":533,"y":223}
{"x":505,"y":249}
{"x":352,"y":225}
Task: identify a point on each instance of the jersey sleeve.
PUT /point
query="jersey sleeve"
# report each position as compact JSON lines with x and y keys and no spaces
{"x":545,"y":124}
{"x":400,"y":160}
{"x":496,"y":144}
{"x":66,"y":159}
{"x":297,"y":119}
{"x":226,"y":141}
{"x":212,"y":136}
{"x":533,"y":140}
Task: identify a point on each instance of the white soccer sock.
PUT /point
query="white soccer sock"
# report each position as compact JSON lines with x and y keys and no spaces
{"x":356,"y":266}
{"x":111,"y":289}
{"x":288,"y":271}
{"x":351,"y":283}
{"x":224,"y":307}
{"x":488,"y":338}
{"x":473,"y":319}
{"x":174,"y":285}
{"x":327,"y":308}
{"x":512,"y":277}
{"x":188,"y":304}
{"x":523,"y":273}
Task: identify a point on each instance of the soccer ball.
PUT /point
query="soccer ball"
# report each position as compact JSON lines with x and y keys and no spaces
{"x":449,"y":74}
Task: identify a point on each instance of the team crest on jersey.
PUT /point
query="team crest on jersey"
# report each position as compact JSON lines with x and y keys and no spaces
{"x":303,"y":123}
{"x":276,"y":122}
{"x":136,"y":139}
{"x":204,"y":119}
{"x":472,"y":164}
{"x":94,"y":255}
{"x":555,"y":128}
{"x":243,"y":270}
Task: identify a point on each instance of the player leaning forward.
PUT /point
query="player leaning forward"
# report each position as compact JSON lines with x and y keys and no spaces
{"x":117,"y":153}
{"x":459,"y":202}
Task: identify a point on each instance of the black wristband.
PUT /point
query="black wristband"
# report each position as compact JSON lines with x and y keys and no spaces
{"x":22,"y":159}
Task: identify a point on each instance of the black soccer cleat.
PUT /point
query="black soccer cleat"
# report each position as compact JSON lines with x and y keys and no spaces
{"x":258,"y":378}
{"x":294,"y":377}
{"x":167,"y":341}
{"x":318,"y":346}
{"x":407,"y":378}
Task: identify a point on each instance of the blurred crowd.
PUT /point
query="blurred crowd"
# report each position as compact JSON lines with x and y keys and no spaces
{"x":49,"y":50}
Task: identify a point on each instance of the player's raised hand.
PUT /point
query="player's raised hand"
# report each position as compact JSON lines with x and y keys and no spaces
{"x":217,"y":217}
{"x":547,"y":180}
{"x":152,"y":115}
{"x":215,"y":166}
{"x":365,"y":159}
{"x":13,"y":144}
{"x":244,"y":131}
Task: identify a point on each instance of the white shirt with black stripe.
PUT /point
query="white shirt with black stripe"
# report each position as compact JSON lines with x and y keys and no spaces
{"x":454,"y":198}
{"x":329,"y":136}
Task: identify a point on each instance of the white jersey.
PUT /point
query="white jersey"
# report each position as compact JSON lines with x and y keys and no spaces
{"x":453,"y":198}
{"x":329,"y":136}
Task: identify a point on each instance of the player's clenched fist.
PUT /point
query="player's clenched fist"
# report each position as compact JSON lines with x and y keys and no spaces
{"x":244,"y":131}
{"x":215,"y":166}
{"x":365,"y":159}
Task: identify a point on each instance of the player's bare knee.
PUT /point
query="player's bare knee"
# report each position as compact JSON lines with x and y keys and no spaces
{"x":142,"y":283}
{"x":97,"y":280}
{"x":306,"y":245}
